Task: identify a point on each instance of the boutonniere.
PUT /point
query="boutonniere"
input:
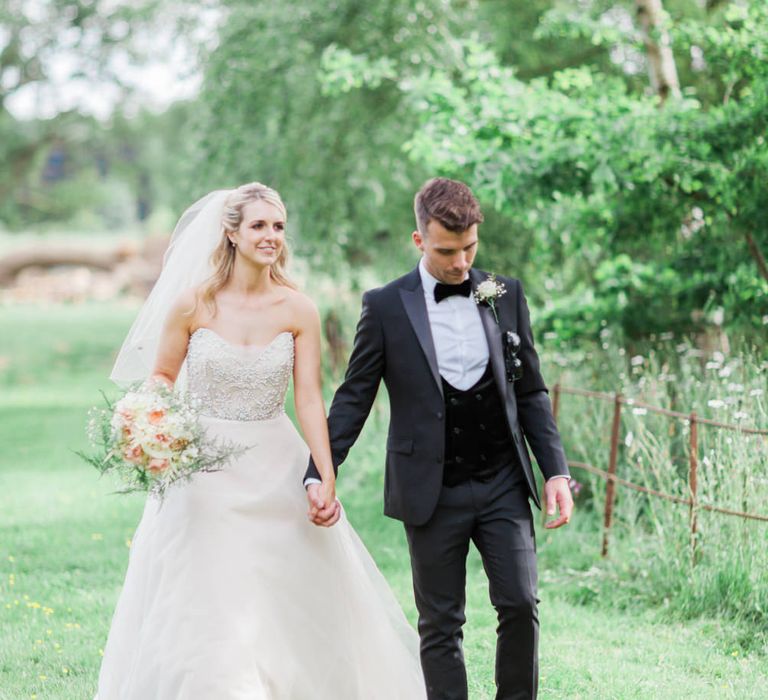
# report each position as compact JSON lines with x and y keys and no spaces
{"x":488,"y":291}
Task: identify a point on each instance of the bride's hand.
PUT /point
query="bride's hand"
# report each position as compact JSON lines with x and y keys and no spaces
{"x":324,"y":509}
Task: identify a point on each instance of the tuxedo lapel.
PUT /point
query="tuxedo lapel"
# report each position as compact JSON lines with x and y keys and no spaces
{"x":416,"y":309}
{"x":493,"y":335}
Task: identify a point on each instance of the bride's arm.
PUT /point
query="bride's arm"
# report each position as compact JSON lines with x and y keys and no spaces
{"x":174,"y":339}
{"x":308,"y":393}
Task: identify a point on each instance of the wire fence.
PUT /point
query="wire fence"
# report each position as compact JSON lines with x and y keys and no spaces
{"x":692,"y":421}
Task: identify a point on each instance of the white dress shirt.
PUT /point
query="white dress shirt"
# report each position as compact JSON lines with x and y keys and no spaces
{"x":457,"y":332}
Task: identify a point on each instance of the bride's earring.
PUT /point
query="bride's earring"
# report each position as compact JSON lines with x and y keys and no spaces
{"x":234,"y":245}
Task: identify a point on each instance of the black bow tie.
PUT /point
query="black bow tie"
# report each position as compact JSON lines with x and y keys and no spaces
{"x":443,"y":291}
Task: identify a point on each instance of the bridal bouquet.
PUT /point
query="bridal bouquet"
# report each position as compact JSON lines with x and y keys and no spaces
{"x":151,"y":438}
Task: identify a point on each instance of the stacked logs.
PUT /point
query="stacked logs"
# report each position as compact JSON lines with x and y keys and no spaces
{"x":78,"y":273}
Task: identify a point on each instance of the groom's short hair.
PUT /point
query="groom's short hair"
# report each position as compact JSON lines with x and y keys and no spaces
{"x":449,"y":202}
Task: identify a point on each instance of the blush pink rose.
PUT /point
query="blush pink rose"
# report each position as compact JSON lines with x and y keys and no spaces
{"x":133,"y":454}
{"x":156,"y":416}
{"x":157,"y":465}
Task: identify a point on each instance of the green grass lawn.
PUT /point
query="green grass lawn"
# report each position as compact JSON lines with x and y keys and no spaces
{"x":64,"y":542}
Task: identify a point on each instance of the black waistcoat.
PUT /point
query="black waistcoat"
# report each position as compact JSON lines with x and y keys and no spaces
{"x":477,"y":439}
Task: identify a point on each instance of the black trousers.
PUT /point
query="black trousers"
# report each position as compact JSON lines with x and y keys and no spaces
{"x":496,"y":516}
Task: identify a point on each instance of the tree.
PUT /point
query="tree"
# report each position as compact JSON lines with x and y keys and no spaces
{"x":55,"y":163}
{"x":661,"y":61}
{"x":637,"y":217}
{"x":337,"y":158}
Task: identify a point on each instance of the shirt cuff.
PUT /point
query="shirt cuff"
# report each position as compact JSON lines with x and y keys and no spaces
{"x":311,"y":480}
{"x":551,"y":478}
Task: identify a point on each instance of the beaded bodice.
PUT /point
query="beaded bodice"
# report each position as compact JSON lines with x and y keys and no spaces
{"x":239,"y":382}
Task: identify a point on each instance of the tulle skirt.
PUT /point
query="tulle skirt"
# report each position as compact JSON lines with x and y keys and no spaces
{"x":232,"y":594}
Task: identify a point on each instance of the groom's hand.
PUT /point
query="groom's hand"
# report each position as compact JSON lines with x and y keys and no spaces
{"x":321,"y":513}
{"x":557,"y":494}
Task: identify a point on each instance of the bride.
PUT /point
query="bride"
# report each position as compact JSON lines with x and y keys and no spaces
{"x":231,"y":593}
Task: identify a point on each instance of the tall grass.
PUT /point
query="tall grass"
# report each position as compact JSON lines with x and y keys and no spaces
{"x":651,"y":558}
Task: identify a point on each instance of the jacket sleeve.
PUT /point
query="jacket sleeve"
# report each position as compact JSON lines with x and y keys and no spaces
{"x":533,"y":404}
{"x":354,"y":398}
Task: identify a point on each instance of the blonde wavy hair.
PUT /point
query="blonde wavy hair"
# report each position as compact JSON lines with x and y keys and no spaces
{"x":223,"y":256}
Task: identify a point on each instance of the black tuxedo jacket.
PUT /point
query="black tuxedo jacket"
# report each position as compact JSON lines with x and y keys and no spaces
{"x":394,"y":343}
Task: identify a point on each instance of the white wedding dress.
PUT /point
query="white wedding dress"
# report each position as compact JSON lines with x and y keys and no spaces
{"x":231,"y":593}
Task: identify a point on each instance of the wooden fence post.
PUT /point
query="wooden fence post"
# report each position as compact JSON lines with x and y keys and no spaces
{"x":693,"y":479}
{"x":610,"y":486}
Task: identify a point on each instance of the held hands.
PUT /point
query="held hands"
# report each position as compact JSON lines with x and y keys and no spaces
{"x":324,"y":508}
{"x":557,"y":493}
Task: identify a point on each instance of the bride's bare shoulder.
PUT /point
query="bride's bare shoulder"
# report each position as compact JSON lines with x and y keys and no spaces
{"x":186,"y":307}
{"x":301,"y":305}
{"x":186,"y":301}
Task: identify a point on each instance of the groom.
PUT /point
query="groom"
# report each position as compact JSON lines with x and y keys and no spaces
{"x":465,"y":393}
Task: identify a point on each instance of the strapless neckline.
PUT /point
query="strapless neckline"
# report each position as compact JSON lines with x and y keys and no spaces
{"x":240,"y":346}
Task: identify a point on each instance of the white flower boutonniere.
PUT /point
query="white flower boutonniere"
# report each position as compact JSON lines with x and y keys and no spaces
{"x":488,"y":291}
